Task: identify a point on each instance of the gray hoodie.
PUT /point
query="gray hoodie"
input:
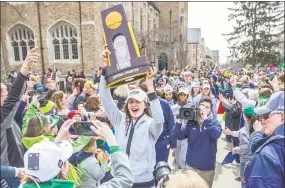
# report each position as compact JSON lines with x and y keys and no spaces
{"x":92,"y":171}
{"x":147,"y":130}
{"x":244,"y":148}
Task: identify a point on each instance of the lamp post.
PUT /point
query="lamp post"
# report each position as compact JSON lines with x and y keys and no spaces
{"x":196,"y":56}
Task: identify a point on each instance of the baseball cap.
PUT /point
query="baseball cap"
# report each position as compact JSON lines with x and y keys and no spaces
{"x":45,"y":159}
{"x":137,"y":94}
{"x":206,"y":86}
{"x":72,"y":113}
{"x":89,"y":84}
{"x":275,"y":103}
{"x":167,"y":87}
{"x":46,"y":106}
{"x":195,"y":84}
{"x":183,"y":90}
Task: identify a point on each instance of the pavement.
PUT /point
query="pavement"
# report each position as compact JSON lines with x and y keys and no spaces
{"x":224,"y":174}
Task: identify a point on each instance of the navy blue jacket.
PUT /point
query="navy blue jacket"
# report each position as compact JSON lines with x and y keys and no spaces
{"x":167,"y":125}
{"x":266,"y":168}
{"x":12,"y":150}
{"x":202,"y":143}
{"x":20,"y":113}
{"x":7,"y":172}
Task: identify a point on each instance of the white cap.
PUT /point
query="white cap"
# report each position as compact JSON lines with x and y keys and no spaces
{"x":205,"y":82}
{"x":183,"y":90}
{"x":206,"y":86}
{"x":167,"y":87}
{"x":137,"y":94}
{"x":195,"y":84}
{"x":51,"y":157}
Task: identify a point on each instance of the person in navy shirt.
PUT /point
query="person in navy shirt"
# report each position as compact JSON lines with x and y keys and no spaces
{"x":202,"y":138}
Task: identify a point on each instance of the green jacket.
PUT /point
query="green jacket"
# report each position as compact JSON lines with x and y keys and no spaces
{"x":55,"y":183}
{"x":31,"y":111}
{"x":30,"y":141}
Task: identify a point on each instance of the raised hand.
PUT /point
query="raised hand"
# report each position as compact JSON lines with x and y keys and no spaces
{"x":104,"y":132}
{"x":63,"y":133}
{"x":149,"y":82}
{"x":31,"y":59}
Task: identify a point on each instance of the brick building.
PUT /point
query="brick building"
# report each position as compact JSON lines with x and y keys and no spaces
{"x":69,"y":35}
{"x":173,"y":24}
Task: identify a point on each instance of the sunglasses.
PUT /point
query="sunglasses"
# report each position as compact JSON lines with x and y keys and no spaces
{"x":268,"y":115}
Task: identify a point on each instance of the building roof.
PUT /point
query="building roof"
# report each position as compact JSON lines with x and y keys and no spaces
{"x":151,"y":3}
{"x":193,"y":35}
{"x":215,"y":53}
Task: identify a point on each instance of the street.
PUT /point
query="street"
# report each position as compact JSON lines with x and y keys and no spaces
{"x":225,"y":174}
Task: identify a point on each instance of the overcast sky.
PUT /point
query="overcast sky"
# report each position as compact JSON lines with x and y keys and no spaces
{"x":212,"y":18}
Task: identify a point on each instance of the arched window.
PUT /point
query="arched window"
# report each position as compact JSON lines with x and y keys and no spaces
{"x":64,"y":45}
{"x":21,"y":39}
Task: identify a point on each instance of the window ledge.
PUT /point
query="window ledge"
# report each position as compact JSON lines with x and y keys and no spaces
{"x":77,"y":61}
{"x":16,"y":62}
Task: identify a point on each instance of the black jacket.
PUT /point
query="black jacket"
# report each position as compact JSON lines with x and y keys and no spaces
{"x":12,"y":150}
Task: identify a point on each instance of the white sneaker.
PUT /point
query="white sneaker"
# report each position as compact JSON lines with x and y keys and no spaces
{"x":235,"y":163}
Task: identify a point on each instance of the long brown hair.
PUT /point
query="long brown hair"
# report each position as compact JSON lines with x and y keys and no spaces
{"x":93,"y":103}
{"x":252,"y":120}
{"x":35,"y":128}
{"x":57,"y":97}
{"x":91,"y":143}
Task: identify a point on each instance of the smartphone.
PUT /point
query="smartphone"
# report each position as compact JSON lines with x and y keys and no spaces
{"x":80,"y":105}
{"x":83,"y":128}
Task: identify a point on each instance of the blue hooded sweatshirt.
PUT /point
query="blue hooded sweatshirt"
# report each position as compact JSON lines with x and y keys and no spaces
{"x":266,"y":168}
{"x":168,"y":124}
{"x":202,"y":143}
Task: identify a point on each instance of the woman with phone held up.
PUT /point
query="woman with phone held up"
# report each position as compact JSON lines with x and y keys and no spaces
{"x":136,"y":130}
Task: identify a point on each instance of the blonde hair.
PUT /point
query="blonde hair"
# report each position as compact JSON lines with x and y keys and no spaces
{"x":188,"y":179}
{"x":122,"y":91}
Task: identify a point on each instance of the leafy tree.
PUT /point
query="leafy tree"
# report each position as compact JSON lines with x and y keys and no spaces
{"x":258,"y":29}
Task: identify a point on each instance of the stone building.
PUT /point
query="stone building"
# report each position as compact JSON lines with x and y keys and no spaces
{"x":198,"y":52}
{"x":216,"y":57}
{"x":195,"y":47}
{"x":172,"y":44}
{"x":69,"y":35}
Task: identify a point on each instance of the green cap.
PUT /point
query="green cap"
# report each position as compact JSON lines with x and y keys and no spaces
{"x":249,"y":110}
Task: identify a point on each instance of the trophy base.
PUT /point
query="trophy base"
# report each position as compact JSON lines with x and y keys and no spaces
{"x":139,"y":70}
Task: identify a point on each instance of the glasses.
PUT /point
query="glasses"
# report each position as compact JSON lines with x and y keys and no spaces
{"x":268,"y":115}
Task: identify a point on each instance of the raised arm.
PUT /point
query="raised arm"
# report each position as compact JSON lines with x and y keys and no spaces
{"x":180,"y":132}
{"x":241,"y":98}
{"x":111,"y":109}
{"x":213,"y":128}
{"x":157,"y":114}
{"x":17,"y":89}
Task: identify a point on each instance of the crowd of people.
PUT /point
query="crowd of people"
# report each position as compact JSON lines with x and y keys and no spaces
{"x":135,"y":126}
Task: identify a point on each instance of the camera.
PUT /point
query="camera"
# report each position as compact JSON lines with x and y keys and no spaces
{"x":162,"y":171}
{"x":190,"y":114}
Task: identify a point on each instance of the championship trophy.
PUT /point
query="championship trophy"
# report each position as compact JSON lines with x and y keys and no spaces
{"x":125,"y":64}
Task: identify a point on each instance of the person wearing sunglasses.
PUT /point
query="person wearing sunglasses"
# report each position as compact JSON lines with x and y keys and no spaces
{"x":266,"y":168}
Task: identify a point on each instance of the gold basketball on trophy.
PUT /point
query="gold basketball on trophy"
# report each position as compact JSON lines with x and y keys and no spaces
{"x":114,"y":20}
